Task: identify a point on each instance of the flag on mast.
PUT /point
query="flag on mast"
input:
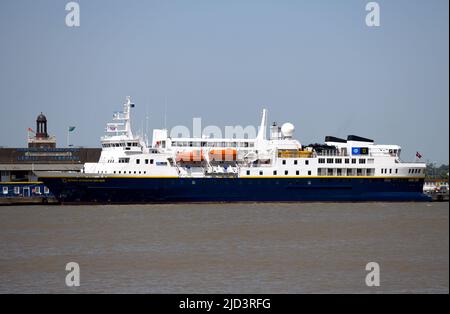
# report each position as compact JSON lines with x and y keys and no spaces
{"x":418,"y":155}
{"x":69,"y":130}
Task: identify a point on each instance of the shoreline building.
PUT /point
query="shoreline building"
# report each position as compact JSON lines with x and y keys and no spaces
{"x":19,"y":184}
{"x":41,"y":138}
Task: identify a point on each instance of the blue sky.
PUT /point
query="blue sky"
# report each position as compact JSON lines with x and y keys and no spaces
{"x":313,"y":63}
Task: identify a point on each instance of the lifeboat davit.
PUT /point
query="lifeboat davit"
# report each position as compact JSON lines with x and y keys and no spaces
{"x":228,"y":154}
{"x":192,"y":156}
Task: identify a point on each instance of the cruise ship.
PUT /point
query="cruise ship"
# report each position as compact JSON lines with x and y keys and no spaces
{"x":277,"y":168}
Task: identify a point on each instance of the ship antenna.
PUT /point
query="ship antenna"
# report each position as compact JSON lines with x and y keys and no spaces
{"x":165,"y":112}
{"x":262,"y":128}
{"x":146,"y":128}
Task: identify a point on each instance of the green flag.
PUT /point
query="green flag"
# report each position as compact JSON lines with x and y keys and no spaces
{"x":71,"y":128}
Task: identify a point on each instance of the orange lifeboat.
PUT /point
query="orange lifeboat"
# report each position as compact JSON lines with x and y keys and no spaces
{"x":192,"y":156}
{"x":228,"y":154}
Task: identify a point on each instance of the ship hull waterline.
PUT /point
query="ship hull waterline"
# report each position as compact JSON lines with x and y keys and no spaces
{"x":129,"y":190}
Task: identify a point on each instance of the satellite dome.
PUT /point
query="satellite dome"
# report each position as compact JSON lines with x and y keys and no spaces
{"x":287,"y":129}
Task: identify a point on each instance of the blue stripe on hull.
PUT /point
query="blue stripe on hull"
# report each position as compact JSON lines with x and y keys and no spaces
{"x":147,"y":190}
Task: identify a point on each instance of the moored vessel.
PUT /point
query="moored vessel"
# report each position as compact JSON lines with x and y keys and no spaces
{"x":274,"y":169}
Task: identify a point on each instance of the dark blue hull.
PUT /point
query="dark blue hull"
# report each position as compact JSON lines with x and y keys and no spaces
{"x":156,"y":190}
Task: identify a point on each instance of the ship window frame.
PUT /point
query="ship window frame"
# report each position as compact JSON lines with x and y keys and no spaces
{"x":309,"y":172}
{"x":297,"y":172}
{"x":5,"y":190}
{"x":275,"y":172}
{"x":138,"y":161}
{"x":286,"y":172}
{"x":248,"y":172}
{"x":17,"y":190}
{"x":307,"y":162}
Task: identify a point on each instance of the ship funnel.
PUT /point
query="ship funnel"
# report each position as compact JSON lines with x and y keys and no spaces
{"x":263,"y":126}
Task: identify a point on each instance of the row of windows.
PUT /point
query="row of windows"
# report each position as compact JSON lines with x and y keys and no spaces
{"x":123,"y":172}
{"x":36,"y":158}
{"x":212,"y":144}
{"x":158,"y":163}
{"x":275,"y":172}
{"x":42,"y":149}
{"x":411,"y":171}
{"x":385,"y":171}
{"x":345,"y":160}
{"x":345,"y":172}
{"x":295,"y":162}
{"x":315,"y":182}
{"x":129,"y":144}
{"x":147,"y":161}
{"x":17,"y":190}
{"x":131,"y":172}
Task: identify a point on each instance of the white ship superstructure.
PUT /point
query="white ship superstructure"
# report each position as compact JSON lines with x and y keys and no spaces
{"x":280,"y":155}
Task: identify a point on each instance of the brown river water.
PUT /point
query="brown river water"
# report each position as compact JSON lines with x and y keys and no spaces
{"x":226,"y":248}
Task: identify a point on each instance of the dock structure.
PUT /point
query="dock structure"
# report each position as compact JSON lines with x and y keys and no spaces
{"x":18,"y":182}
{"x":437,"y":189}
